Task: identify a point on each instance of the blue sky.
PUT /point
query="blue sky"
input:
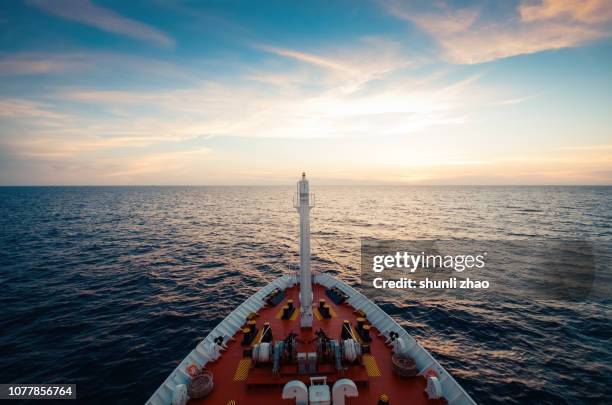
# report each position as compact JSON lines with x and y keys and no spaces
{"x":239,"y":92}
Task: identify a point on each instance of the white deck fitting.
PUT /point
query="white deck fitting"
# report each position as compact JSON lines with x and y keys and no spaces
{"x":451,"y":390}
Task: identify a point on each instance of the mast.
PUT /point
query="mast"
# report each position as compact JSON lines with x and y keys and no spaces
{"x":303,"y":206}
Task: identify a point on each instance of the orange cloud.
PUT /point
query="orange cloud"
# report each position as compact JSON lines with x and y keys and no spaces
{"x":466,"y":36}
{"x":586,"y":11}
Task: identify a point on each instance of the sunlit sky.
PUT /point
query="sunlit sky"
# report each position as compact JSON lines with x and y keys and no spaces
{"x":352,"y":92}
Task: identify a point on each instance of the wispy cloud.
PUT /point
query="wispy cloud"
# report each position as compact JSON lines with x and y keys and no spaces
{"x":142,"y":122}
{"x":467,"y":35}
{"x":308,"y":58}
{"x":346,"y":68}
{"x":15,"y":108}
{"x":158,"y":163}
{"x":515,"y":100}
{"x":67,"y":66}
{"x":86,"y":12}
{"x":210,"y":109}
{"x":585,"y":11}
{"x":65,"y":145}
{"x":35,"y":64}
{"x":351,"y":99}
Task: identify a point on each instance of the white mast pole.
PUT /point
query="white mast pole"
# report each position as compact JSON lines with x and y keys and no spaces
{"x":303,"y":207}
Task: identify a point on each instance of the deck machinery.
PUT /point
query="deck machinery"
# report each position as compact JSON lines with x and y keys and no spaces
{"x":309,"y":340}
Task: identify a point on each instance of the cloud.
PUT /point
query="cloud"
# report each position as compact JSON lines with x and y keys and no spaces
{"x":54,"y":162}
{"x":113,"y":134}
{"x":468,"y":35}
{"x":66,"y":145}
{"x":73,"y":126}
{"x":444,"y":21}
{"x":85,"y":12}
{"x":347,"y":68}
{"x":602,"y":148}
{"x":210,"y":109}
{"x":515,"y":100}
{"x":488,"y":43}
{"x":586,"y":11}
{"x":14,"y":108}
{"x":356,"y":91}
{"x":30,"y":64}
{"x":173,"y":162}
{"x":66,"y":66}
{"x":308,"y":58}
{"x":544,"y":167}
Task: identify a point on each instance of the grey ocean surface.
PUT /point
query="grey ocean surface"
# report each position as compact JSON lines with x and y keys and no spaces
{"x":110,"y":287}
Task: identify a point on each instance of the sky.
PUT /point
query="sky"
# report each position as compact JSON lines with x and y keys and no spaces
{"x":352,"y":92}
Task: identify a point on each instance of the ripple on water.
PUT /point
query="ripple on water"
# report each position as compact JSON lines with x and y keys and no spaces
{"x":110,"y":287}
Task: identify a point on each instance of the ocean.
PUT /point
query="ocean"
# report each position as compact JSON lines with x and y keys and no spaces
{"x":110,"y":287}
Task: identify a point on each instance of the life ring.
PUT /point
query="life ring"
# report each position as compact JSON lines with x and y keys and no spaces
{"x":430,"y":373}
{"x":193,"y":370}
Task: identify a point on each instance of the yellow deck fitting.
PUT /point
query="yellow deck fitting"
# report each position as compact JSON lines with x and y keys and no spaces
{"x":356,"y":336}
{"x":257,"y":337}
{"x":242,"y":371}
{"x":293,"y":316}
{"x":371,"y":366}
{"x":383,"y":399}
{"x":318,"y":315}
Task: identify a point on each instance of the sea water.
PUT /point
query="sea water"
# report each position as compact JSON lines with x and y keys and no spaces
{"x":110,"y":287}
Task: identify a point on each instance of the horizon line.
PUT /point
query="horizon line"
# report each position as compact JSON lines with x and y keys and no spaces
{"x":319,"y":185}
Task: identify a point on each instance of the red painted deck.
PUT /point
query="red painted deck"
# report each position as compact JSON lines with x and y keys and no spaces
{"x":249,"y":391}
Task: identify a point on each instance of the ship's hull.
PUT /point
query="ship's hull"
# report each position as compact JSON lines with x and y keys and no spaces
{"x":237,"y":378}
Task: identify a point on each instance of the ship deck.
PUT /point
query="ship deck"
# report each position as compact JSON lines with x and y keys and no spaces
{"x":235,"y":380}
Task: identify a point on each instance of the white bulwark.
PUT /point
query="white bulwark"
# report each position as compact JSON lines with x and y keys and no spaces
{"x":303,"y":205}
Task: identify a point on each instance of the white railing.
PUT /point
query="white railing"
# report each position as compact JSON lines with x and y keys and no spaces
{"x":205,"y":350}
{"x":452,"y":391}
